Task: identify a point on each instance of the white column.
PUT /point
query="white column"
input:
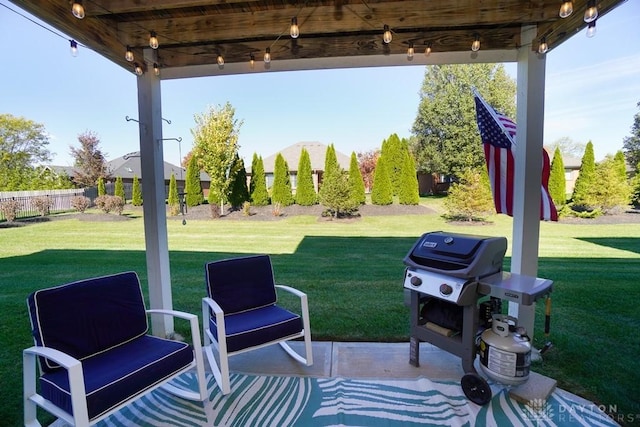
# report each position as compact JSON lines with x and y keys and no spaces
{"x":529,"y":143}
{"x":153,"y":194}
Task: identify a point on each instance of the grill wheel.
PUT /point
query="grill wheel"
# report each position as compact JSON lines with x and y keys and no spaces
{"x":476,"y":389}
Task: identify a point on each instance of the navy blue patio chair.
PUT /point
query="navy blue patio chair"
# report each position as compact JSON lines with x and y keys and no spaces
{"x":95,"y":353}
{"x":240,"y":313}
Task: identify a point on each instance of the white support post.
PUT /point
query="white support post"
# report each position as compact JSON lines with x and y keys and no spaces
{"x":153,"y":194}
{"x":529,"y":145}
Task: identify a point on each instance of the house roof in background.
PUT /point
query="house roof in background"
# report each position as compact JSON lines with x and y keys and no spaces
{"x":316,"y":150}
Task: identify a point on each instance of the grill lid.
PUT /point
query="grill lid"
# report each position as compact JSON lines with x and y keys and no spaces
{"x":460,"y":255}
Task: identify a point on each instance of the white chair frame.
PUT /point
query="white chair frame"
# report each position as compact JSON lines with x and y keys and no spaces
{"x":221,"y":372}
{"x":76,"y":380}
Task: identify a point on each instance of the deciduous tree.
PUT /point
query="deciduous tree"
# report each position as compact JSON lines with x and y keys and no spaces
{"x":367,"y":163}
{"x":215,"y":147}
{"x":23,"y":145}
{"x":89,"y":160}
{"x":446,"y":134}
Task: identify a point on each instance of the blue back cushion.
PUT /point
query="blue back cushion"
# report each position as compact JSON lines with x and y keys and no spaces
{"x":89,"y":316}
{"x":241,"y":284}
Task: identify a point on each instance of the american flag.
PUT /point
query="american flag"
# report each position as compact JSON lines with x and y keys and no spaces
{"x":498,"y":133}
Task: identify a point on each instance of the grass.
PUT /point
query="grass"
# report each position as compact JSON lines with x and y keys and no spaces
{"x":353,"y":274}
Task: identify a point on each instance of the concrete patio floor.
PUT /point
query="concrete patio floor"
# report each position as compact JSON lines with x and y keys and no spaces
{"x":351,"y":360}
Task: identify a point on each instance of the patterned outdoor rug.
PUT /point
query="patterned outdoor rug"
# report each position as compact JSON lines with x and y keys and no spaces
{"x":294,"y":401}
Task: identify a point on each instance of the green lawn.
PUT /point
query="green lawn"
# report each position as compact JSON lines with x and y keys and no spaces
{"x":353,"y":273}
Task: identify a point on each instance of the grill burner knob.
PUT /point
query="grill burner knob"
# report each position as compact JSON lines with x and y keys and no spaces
{"x":445,"y":289}
{"x":416,"y":281}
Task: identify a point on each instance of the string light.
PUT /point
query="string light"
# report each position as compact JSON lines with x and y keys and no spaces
{"x":153,"y":40}
{"x":220,"y":60}
{"x":475,"y":46}
{"x":252,"y":60}
{"x":591,"y":29}
{"x":591,"y":14}
{"x":156,"y":69}
{"x":77,"y":9}
{"x":74,"y":48}
{"x":427,"y":50}
{"x":566,"y":8}
{"x":386,"y":36}
{"x":128,"y":54}
{"x":543,"y":47}
{"x":267,"y":55}
{"x":138,"y":69}
{"x":410,"y":51}
{"x":294,"y":31}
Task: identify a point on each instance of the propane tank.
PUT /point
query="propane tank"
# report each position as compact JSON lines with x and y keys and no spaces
{"x":505,"y":356}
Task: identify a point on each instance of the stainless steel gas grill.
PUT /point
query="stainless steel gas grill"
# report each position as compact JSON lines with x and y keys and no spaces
{"x":446,"y":275}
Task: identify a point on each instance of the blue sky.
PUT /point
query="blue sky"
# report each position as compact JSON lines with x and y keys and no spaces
{"x":592,"y":88}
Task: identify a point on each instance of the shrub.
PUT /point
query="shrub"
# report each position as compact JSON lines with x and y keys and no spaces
{"x":108,"y":203}
{"x":9,"y":209}
{"x":80,"y":203}
{"x":136,"y":192}
{"x":42,"y":204}
{"x":246,"y":208}
{"x":119,"y":189}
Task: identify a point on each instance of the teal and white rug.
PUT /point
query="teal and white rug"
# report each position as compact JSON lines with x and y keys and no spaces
{"x":295,"y":401}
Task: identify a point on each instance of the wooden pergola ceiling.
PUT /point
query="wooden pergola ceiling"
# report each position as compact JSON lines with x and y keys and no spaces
{"x":196,"y":32}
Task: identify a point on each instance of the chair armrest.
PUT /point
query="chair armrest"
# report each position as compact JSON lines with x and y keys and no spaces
{"x":62,"y":359}
{"x":291,"y":290}
{"x":75,"y":373}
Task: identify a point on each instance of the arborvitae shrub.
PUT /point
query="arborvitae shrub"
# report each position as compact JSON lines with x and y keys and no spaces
{"x":356,"y":183}
{"x":305,"y":191}
{"x":119,"y":189}
{"x":381,"y":193}
{"x":258,"y":186}
{"x":136,"y":192}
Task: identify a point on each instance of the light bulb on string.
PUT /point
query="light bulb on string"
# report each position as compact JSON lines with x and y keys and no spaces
{"x":410,"y":51}
{"x":294,"y":30}
{"x":252,"y":60}
{"x":220,"y":60}
{"x":153,"y":40}
{"x":77,"y":9}
{"x":475,"y":46}
{"x":128,"y":54}
{"x":73,"y":48}
{"x":591,"y":14}
{"x":267,"y":55}
{"x":543,"y":47}
{"x":138,"y":69}
{"x":427,"y":50}
{"x":156,"y":69}
{"x":591,"y":29}
{"x":566,"y":8}
{"x":386,"y":36}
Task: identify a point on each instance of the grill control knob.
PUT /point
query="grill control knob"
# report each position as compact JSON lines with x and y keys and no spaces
{"x":446,"y":289}
{"x":416,"y":281}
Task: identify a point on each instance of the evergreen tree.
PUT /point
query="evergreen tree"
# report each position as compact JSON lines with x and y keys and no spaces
{"x":193,"y":186}
{"x":393,"y":150}
{"x":305,"y":191}
{"x":173,"y":200}
{"x":337,"y":197}
{"x":635,"y":189}
{"x":381,"y":192}
{"x":557,"y":181}
{"x":620,"y":165}
{"x":239,"y":193}
{"x":136,"y":192}
{"x":102,"y":191}
{"x":612,"y":192}
{"x":470,"y":198}
{"x":583,"y":192}
{"x":356,"y":183}
{"x":331,"y":166}
{"x":258,"y":185}
{"x":119,"y":189}
{"x":408,"y":191}
{"x":631,"y":144}
{"x":281,"y":191}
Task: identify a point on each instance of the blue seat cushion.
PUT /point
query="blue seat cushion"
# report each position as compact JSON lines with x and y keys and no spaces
{"x":119,"y":373}
{"x":240,"y":284}
{"x":87,"y":317}
{"x":259,"y":326}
